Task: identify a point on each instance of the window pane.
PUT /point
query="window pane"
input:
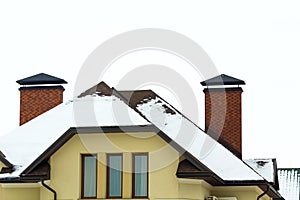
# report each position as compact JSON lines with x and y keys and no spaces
{"x":140,"y":175}
{"x":89,"y":177}
{"x":115,"y":175}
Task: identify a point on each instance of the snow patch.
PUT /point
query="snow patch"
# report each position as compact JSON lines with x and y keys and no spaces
{"x":191,"y":138}
{"x":264,"y":167}
{"x":26,"y":143}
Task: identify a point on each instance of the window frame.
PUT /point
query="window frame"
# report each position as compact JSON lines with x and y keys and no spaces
{"x":133,"y":175}
{"x":108,"y":177}
{"x":82,"y":175}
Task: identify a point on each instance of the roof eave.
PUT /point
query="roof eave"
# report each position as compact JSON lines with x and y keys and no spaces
{"x":6,"y":162}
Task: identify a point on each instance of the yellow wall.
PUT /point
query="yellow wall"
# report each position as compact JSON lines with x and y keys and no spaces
{"x":66,"y":163}
{"x":19,"y":193}
{"x":194,"y":189}
{"x":241,"y":192}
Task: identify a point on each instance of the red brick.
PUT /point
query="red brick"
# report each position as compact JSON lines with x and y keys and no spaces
{"x":36,"y":101}
{"x":223,"y":115}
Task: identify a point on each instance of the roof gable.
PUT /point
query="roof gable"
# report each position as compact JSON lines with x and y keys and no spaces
{"x":100,"y":89}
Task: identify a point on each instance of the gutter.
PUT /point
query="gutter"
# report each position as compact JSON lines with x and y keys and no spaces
{"x":50,"y":189}
{"x":265,"y":192}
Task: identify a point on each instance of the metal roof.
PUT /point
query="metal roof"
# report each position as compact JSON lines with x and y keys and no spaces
{"x":289,"y":183}
{"x":41,"y":78}
{"x":223,"y":79}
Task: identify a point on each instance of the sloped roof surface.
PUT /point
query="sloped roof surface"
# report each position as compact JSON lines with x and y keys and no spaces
{"x":289,"y":183}
{"x":23,"y":145}
{"x":223,"y":79}
{"x":195,"y":141}
{"x":41,"y":78}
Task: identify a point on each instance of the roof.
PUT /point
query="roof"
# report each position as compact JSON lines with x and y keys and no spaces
{"x":41,"y":78}
{"x":289,"y":181}
{"x":223,"y":79}
{"x":97,"y":107}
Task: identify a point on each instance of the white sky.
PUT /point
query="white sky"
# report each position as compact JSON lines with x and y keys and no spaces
{"x":257,"y":41}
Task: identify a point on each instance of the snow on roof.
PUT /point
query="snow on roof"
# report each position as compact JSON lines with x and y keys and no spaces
{"x":23,"y":145}
{"x":264,"y":167}
{"x":289,"y":183}
{"x":190,"y":137}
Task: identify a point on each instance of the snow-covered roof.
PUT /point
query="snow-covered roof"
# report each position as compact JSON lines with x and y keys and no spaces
{"x":195,"y":141}
{"x":289,"y":183}
{"x":26,"y":143}
{"x":265,"y":167}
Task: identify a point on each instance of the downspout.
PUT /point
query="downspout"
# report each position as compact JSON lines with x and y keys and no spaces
{"x":262,"y":194}
{"x":49,"y":188}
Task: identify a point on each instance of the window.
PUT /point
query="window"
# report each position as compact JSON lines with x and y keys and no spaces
{"x":89,"y":176}
{"x":140,"y":175}
{"x":114,"y":175}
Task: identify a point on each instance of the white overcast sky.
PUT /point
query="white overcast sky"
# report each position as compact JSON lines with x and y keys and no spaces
{"x":257,"y":41}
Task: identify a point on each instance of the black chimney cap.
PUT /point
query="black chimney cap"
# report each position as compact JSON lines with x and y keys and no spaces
{"x":41,"y":78}
{"x":223,"y":79}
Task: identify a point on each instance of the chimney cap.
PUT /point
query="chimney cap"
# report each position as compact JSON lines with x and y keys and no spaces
{"x":223,"y":79}
{"x":41,"y":78}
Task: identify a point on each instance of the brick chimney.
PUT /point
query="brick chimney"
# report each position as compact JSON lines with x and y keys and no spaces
{"x":38,"y":94}
{"x":223,"y":111}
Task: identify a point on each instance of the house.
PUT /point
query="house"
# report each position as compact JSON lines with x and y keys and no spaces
{"x":107,"y":144}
